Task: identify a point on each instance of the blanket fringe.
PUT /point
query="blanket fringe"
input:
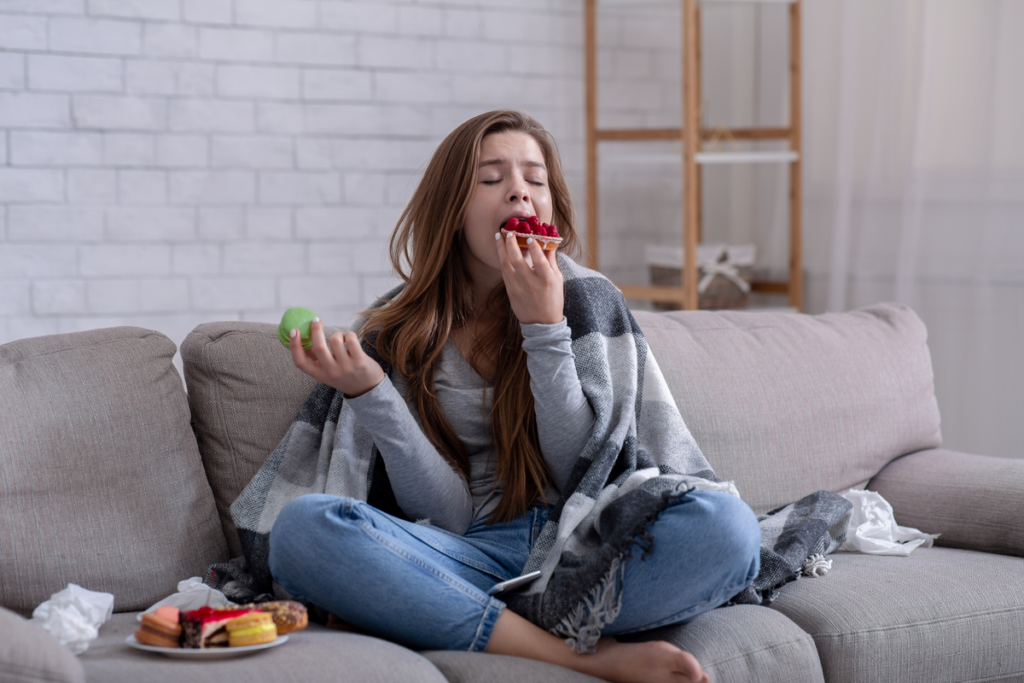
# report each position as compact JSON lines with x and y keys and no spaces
{"x":582,"y":627}
{"x":816,"y":566}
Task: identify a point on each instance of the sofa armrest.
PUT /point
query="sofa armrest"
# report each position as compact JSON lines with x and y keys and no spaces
{"x":28,"y":653}
{"x":976,"y":502}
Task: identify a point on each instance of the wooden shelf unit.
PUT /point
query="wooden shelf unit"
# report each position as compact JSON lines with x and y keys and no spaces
{"x":691,"y":134}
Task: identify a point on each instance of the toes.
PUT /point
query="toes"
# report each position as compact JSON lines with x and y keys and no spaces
{"x":690,"y":667}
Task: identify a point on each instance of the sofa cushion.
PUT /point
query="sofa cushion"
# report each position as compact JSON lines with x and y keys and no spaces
{"x":100,"y":478}
{"x":745,"y":643}
{"x":244,"y":393}
{"x":29,"y":654}
{"x":786,"y":404}
{"x":313,"y":655}
{"x":939,"y":615}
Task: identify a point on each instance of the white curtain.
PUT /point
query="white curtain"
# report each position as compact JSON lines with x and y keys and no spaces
{"x":914,"y":189}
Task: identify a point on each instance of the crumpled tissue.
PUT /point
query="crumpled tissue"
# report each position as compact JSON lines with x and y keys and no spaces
{"x":873,"y":529}
{"x":192,"y":594}
{"x":74,"y":616}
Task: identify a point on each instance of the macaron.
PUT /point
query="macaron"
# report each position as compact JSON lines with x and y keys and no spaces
{"x":158,"y":631}
{"x":168,"y":612}
{"x":251,"y":629}
{"x":296,"y":319}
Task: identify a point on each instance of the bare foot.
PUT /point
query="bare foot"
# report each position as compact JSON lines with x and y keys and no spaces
{"x":655,"y":661}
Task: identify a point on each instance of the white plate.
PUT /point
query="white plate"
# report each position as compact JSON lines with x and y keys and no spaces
{"x":206,"y":654}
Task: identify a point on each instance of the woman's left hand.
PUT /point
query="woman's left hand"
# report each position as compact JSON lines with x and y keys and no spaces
{"x":535,"y":292}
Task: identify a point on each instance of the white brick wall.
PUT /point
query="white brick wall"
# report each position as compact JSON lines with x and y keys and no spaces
{"x":255,"y":154}
{"x":169,"y":162}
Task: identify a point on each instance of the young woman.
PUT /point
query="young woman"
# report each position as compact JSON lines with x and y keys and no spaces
{"x":480,"y":418}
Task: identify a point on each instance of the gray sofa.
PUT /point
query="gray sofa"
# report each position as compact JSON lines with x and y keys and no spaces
{"x":113,"y":478}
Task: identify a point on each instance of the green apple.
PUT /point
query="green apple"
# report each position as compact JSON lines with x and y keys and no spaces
{"x":296,"y":319}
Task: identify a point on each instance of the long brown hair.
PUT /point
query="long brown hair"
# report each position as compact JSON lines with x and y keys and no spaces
{"x":410,"y":331}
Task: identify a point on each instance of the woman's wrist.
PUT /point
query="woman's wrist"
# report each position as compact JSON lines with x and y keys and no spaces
{"x":533,"y":329}
{"x":542,"y":319}
{"x":365,"y":392}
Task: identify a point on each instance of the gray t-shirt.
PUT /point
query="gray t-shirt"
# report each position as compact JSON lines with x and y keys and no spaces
{"x":425,"y":485}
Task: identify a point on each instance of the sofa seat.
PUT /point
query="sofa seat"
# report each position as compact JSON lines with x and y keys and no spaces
{"x":313,"y":655}
{"x":941,"y":614}
{"x":735,"y":643}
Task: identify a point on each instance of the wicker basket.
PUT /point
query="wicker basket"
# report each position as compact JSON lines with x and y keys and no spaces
{"x":722,"y":292}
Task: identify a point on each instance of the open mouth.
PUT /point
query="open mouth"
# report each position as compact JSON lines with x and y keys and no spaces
{"x":546,"y":235}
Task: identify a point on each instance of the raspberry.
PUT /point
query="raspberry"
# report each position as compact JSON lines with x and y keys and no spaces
{"x":511,"y":224}
{"x":553,"y":231}
{"x":542,"y":230}
{"x":533,"y":220}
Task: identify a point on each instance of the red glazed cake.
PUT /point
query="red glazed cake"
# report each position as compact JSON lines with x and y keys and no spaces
{"x":204,"y":627}
{"x":546,"y":235}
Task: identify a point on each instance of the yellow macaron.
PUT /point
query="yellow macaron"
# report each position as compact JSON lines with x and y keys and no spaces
{"x":251,"y":629}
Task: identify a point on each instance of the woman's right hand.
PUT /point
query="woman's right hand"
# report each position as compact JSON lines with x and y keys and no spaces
{"x":339,"y":362}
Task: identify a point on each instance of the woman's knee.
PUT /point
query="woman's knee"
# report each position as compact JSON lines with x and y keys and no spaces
{"x":303,"y":523}
{"x":731,"y":528}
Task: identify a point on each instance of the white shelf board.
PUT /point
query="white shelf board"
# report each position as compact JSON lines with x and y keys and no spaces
{"x":784,"y":156}
{"x":781,"y":156}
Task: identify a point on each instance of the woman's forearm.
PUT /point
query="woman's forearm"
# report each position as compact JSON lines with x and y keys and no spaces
{"x":425,"y":484}
{"x":565,"y":418}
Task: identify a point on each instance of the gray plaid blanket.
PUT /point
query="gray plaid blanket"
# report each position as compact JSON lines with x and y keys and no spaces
{"x":639,"y":456}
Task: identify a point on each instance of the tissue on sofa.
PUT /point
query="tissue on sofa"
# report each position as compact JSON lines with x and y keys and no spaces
{"x":74,"y":616}
{"x":873,"y":529}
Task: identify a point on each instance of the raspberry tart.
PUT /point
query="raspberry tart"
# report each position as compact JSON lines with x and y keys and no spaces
{"x":546,"y":235}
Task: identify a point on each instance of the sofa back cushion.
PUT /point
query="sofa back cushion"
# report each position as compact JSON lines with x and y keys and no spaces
{"x":783,"y":404}
{"x":787,"y":404}
{"x":244,"y":393}
{"x":101,"y":483}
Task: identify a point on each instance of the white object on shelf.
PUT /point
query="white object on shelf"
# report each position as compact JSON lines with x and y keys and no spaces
{"x":712,"y":260}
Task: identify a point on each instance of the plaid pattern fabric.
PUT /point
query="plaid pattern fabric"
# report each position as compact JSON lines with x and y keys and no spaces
{"x":792,"y":537}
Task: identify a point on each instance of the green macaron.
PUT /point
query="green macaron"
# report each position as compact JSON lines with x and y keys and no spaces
{"x":296,"y":319}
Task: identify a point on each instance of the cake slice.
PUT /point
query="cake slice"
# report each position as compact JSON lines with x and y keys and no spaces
{"x":204,"y":627}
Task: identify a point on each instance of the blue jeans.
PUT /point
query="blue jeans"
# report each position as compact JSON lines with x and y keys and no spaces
{"x":426,"y":588}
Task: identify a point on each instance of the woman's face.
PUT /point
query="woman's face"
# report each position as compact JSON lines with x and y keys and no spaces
{"x":511,"y":181}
